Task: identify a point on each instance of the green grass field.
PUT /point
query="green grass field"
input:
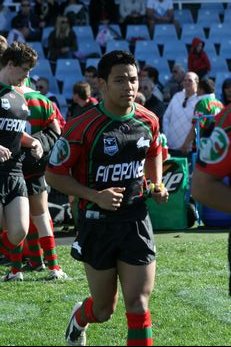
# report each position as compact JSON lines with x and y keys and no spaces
{"x":190,"y":304}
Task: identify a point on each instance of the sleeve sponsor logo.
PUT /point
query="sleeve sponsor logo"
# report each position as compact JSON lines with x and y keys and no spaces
{"x":5,"y":104}
{"x":60,"y":152}
{"x":215,"y":148}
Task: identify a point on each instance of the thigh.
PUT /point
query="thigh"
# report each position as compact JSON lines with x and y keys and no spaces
{"x":137,"y":283}
{"x":17,"y":218}
{"x":103,"y":287}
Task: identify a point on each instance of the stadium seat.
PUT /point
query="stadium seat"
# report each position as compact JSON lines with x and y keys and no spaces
{"x":218,"y":64}
{"x":174,"y":49}
{"x":225,"y":48}
{"x":164,"y":32}
{"x":219,"y":79}
{"x":160,"y":63}
{"x":206,"y":17}
{"x":183,"y":16}
{"x":89,"y":48}
{"x":219,"y":31}
{"x":66,"y":68}
{"x":117,"y":44}
{"x":137,"y":32}
{"x":38,"y":47}
{"x":92,"y":62}
{"x":115,"y":28}
{"x":209,"y":48}
{"x":216,"y":6}
{"x":42,"y":68}
{"x":146,"y":48}
{"x":63,"y":104}
{"x":68,"y":83}
{"x":53,"y":84}
{"x":227,"y":15}
{"x":83,"y":32}
{"x":189,"y":31}
{"x":45,"y":34}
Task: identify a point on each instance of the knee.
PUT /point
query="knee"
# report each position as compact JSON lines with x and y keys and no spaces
{"x":104,"y":314}
{"x":137,"y":304}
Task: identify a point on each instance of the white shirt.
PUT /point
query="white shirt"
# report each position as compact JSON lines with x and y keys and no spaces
{"x":177,"y":120}
{"x":160,"y":7}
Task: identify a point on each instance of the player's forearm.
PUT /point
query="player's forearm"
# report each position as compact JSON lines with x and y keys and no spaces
{"x":69,"y":186}
{"x":154,"y":169}
{"x":211,"y":192}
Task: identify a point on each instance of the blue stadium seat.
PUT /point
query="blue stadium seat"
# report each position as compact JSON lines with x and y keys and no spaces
{"x":183,"y":16}
{"x":42,"y":68}
{"x":114,"y":27}
{"x":146,"y":48}
{"x":174,"y":49}
{"x":209,"y":48}
{"x":137,"y":32}
{"x":218,"y":64}
{"x":117,"y":44}
{"x":63,"y":104}
{"x":217,"y":6}
{"x":38,"y":47}
{"x":92,"y":62}
{"x":45,"y":34}
{"x":207,"y":17}
{"x":67,"y":68}
{"x":160,"y":63}
{"x":89,"y":47}
{"x":164,"y":32}
{"x":189,"y":31}
{"x":225,"y":48}
{"x":219,"y":31}
{"x":83,"y":32}
{"x":68,"y":83}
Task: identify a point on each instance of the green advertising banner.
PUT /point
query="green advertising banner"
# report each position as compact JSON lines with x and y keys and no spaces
{"x":172,"y":215}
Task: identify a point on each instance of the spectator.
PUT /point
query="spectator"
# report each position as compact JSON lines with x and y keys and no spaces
{"x":102,"y":12}
{"x":131,"y":12}
{"x":4,"y":17}
{"x":152,"y":102}
{"x":42,"y":84}
{"x":62,"y":41}
{"x":159,"y":12}
{"x":47,"y":11}
{"x":198,"y":60}
{"x":19,"y":31}
{"x":226,"y":91}
{"x":81,"y":100}
{"x":177,"y":119}
{"x":153,"y":73}
{"x":175,"y":83}
{"x":91,"y":76}
{"x":76,"y":12}
{"x":208,"y":105}
{"x":140,"y":98}
{"x":31,"y":20}
{"x":3,"y":44}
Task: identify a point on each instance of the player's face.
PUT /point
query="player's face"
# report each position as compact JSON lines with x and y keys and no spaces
{"x":120,"y":89}
{"x":18,"y":74}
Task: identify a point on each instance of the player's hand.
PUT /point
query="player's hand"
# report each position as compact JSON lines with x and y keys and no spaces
{"x":161,"y":196}
{"x":111,"y":198}
{"x":5,"y":154}
{"x":36,"y":149}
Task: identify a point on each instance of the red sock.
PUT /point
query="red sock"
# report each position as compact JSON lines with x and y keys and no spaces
{"x":16,"y":258}
{"x":139,"y":329}
{"x":36,"y":253}
{"x":49,"y":249}
{"x":3,"y":244}
{"x":85,"y":314}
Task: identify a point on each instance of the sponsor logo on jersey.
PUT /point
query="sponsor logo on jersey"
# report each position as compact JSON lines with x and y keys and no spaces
{"x":5,"y":104}
{"x":10,"y":124}
{"x":143,"y":143}
{"x":110,"y":146}
{"x":120,"y":171}
{"x":60,"y":152}
{"x":214,"y":149}
{"x":24,"y":107}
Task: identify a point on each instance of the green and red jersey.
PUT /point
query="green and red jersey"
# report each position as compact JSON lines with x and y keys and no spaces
{"x":103,"y":151}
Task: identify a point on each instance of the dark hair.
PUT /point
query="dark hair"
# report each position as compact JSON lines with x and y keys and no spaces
{"x":153,"y":73}
{"x":92,"y":69}
{"x":114,"y":58}
{"x":19,"y":53}
{"x":83,"y":89}
{"x":226,"y":83}
{"x":207,"y":84}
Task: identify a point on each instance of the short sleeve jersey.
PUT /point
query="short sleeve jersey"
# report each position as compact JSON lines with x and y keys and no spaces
{"x":13,"y":118}
{"x":215,"y":152}
{"x":42,"y":111}
{"x":103,"y":151}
